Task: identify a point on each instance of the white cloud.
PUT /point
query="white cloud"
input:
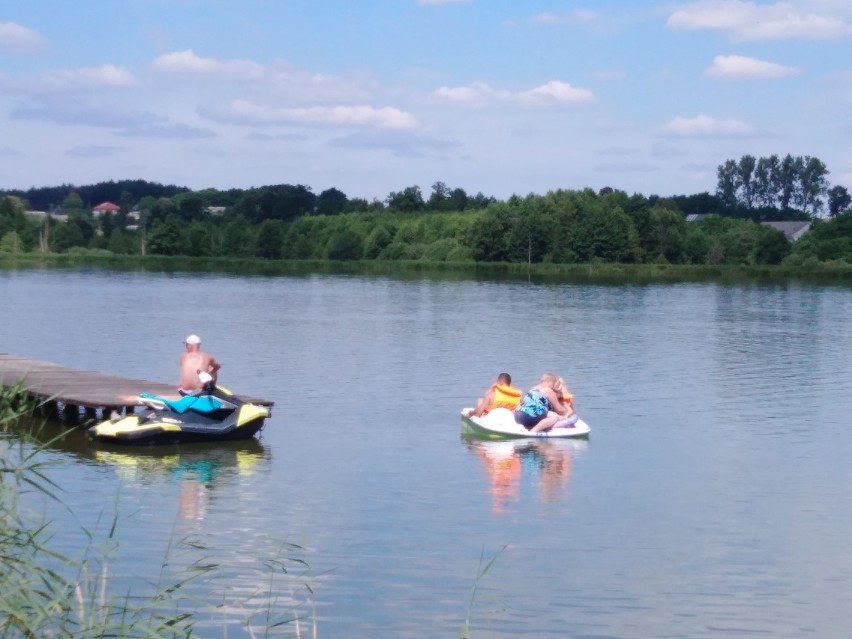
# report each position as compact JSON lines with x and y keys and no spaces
{"x":555,"y":91}
{"x":476,"y":93}
{"x":83,"y":80}
{"x":18,"y":39}
{"x":252,"y":113}
{"x":705,"y":126}
{"x":577,"y":16}
{"x":737,"y":66}
{"x":107,"y":76}
{"x":188,"y":62}
{"x":480,"y":93}
{"x":751,"y":21}
{"x":277,"y":80}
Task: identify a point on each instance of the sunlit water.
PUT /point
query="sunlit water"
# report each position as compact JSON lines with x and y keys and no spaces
{"x":711,"y":500}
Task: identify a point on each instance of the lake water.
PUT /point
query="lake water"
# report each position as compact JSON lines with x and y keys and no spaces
{"x":711,"y":500}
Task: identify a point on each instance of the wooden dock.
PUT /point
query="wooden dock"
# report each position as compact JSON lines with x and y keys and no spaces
{"x":69,"y":392}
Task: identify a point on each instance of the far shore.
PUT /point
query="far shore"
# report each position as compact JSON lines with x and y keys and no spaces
{"x":601,"y":273}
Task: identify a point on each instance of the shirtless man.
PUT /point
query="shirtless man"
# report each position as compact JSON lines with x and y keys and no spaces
{"x":192,"y":363}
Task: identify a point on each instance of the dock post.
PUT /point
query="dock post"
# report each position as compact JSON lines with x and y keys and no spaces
{"x":50,"y":409}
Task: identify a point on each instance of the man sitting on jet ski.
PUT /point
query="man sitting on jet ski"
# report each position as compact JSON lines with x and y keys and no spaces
{"x":194,"y":362}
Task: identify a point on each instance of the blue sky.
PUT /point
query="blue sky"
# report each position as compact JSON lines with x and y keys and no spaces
{"x":491,"y":96}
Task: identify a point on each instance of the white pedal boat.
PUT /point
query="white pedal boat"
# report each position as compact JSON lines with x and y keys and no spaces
{"x":500,"y":424}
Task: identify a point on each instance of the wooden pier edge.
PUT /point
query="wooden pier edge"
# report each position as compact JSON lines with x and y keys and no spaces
{"x":72,"y":393}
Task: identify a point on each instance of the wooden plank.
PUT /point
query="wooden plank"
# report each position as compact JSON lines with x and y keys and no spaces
{"x":77,"y":387}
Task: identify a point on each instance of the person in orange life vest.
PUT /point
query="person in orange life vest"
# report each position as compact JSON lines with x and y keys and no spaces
{"x":501,"y":395}
{"x":568,"y":400}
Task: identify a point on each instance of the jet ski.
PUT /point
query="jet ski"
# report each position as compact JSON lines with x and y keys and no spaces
{"x":213,"y":415}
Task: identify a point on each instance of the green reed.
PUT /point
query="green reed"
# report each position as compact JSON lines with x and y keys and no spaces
{"x":49,"y":594}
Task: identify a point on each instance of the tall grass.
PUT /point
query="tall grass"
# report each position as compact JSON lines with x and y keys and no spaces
{"x":46,"y":593}
{"x":49,"y":594}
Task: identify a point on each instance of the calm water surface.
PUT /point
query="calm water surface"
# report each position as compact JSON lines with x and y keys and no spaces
{"x":711,"y":500}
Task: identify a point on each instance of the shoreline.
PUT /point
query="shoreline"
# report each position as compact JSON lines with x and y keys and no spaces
{"x":597,"y":273}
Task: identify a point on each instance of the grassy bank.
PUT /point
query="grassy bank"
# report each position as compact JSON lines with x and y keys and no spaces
{"x":598,"y":273}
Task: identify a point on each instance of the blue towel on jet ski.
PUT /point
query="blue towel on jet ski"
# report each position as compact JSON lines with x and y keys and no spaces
{"x":202,"y":404}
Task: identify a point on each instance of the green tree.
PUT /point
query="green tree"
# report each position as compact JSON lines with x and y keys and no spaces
{"x":745,"y":179}
{"x":240,"y":238}
{"x":788,"y":175}
{"x":12,"y":217}
{"x":409,"y":200}
{"x":162,"y":209}
{"x":605,"y":234}
{"x":770,"y":246}
{"x":377,"y":240}
{"x":121,"y":243}
{"x":67,"y":235}
{"x":331,"y":202}
{"x":107,"y":223}
{"x":73,"y":202}
{"x":813,"y":184}
{"x":666,"y":235}
{"x":765,"y":173}
{"x":727,"y":182}
{"x":489,"y":235}
{"x":11,"y":243}
{"x":191,"y":207}
{"x":839,"y":200}
{"x":284,"y":202}
{"x":459,"y":200}
{"x":345,"y":244}
{"x":440,"y":199}
{"x":125,"y":202}
{"x":199,"y":239}
{"x":696,"y":245}
{"x":270,"y":240}
{"x":166,"y":237}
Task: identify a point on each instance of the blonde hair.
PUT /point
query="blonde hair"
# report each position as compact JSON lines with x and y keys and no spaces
{"x":549,"y":379}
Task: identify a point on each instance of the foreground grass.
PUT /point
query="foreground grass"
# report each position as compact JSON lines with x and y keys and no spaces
{"x":601,"y":273}
{"x":48,"y":594}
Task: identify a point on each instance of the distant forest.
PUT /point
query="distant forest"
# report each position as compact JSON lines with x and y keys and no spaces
{"x":564,"y":226}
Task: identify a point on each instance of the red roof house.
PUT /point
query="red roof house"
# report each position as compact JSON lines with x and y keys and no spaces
{"x":105,"y":207}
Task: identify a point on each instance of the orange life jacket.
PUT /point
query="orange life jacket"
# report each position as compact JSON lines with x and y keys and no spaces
{"x":503,"y":397}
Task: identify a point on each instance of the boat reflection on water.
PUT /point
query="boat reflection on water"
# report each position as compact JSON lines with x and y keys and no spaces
{"x":196,"y":468}
{"x":513,"y":463}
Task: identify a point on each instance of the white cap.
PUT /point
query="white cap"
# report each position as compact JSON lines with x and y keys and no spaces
{"x":193,"y":340}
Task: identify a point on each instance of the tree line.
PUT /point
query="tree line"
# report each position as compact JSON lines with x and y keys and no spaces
{"x":564,"y":226}
{"x":787,"y":184}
